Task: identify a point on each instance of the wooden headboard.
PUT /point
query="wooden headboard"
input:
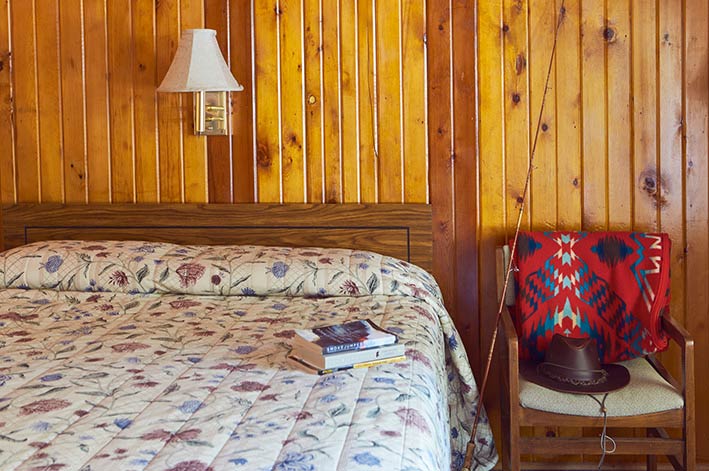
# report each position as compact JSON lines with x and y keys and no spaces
{"x":400,"y":230}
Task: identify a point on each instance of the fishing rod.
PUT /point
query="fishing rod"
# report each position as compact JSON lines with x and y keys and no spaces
{"x":522,"y":202}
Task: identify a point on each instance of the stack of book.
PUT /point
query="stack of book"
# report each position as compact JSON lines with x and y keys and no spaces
{"x":357,"y":344}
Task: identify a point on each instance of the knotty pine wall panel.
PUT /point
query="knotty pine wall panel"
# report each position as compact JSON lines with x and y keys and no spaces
{"x":623,"y":141}
{"x":384,"y":101}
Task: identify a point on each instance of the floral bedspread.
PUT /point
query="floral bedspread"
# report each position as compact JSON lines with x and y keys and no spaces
{"x":131,"y":356}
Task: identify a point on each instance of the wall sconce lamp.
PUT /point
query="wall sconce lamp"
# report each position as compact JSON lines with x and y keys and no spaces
{"x":199,"y":67}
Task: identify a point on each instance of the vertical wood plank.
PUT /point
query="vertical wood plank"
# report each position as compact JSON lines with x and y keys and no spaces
{"x":543,"y":212}
{"x":413,"y":97}
{"x":567,"y":79}
{"x":26,"y":109}
{"x":314,"y":154}
{"x":73,"y":101}
{"x":593,"y":83}
{"x":369,"y":187}
{"x":438,"y":26}
{"x":464,"y":184}
{"x":242,"y":139}
{"x":620,"y":127}
{"x":670,"y":182}
{"x":348,"y":103}
{"x":291,"y":86}
{"x":219,"y":149}
{"x":491,"y":138}
{"x":120,"y":86}
{"x":542,"y":27}
{"x":388,"y":101}
{"x":194,"y":148}
{"x":568,"y":118}
{"x":696,"y":173}
{"x":330,"y":87}
{"x":145,"y":101}
{"x":267,"y":93}
{"x":517,"y":142}
{"x":644,"y":41}
{"x":7,"y":118}
{"x":169,"y":108}
{"x":98,"y":145}
{"x":49,"y":101}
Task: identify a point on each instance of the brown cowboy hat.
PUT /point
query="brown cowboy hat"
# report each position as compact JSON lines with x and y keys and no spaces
{"x":571,"y":365}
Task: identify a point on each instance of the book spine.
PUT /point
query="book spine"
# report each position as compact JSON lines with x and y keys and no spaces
{"x":364,"y":364}
{"x":356,"y":356}
{"x":346,"y":347}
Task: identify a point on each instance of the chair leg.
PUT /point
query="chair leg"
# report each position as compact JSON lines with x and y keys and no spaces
{"x":690,"y":458}
{"x":651,"y":459}
{"x":513,"y":445}
{"x":651,"y":462}
{"x":510,"y":445}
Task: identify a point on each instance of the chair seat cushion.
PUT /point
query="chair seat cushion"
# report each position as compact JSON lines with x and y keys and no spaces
{"x":646,"y":393}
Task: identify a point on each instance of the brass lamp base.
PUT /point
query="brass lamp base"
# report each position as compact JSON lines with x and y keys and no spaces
{"x":210,"y":116}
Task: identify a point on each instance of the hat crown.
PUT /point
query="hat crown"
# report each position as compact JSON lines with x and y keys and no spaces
{"x":580,"y":354}
{"x":572,"y":365}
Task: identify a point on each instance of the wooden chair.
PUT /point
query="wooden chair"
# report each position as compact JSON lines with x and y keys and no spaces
{"x":680,"y":452}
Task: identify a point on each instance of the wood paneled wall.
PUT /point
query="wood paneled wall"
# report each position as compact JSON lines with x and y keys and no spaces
{"x":623,"y":142}
{"x":383,"y":101}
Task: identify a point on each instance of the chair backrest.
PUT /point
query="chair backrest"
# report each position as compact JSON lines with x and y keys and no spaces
{"x":611,"y":286}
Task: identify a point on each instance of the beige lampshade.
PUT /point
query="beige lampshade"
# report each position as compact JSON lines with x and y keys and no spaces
{"x":198,"y":65}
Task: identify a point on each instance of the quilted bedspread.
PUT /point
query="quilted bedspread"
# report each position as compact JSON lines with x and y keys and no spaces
{"x":132,"y":356}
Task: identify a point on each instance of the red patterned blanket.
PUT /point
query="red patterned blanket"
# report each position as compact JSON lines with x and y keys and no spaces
{"x":611,"y":286}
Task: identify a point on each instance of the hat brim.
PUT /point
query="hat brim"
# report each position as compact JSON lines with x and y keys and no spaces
{"x":618,"y":377}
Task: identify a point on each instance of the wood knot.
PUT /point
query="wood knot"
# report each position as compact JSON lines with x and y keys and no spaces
{"x":2,"y":65}
{"x":575,"y":182}
{"x":520,"y":63}
{"x":440,"y":27}
{"x":516,"y":98}
{"x":263,"y":157}
{"x":505,"y":28}
{"x":520,"y":200}
{"x":609,"y":34}
{"x":545,"y":127}
{"x":277,"y":10}
{"x":654,"y":186}
{"x":551,"y":434}
{"x":141,"y":67}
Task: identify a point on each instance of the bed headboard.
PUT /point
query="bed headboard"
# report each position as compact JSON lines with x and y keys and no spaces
{"x":400,"y":230}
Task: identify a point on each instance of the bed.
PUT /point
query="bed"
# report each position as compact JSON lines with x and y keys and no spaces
{"x":153,"y":355}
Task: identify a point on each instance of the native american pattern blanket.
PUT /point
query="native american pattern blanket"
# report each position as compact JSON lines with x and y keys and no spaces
{"x":611,"y":286}
{"x":146,"y":356}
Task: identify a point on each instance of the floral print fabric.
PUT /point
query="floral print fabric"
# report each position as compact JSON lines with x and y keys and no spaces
{"x":143,"y":267}
{"x":107,"y":364}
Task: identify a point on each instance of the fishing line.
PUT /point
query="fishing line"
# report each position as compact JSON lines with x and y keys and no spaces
{"x":471,"y":444}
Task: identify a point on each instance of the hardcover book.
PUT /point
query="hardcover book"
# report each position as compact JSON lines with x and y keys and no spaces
{"x":303,"y":365}
{"x":339,"y":360}
{"x":355,"y":335}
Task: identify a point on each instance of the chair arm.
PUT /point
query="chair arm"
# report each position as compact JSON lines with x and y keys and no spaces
{"x":680,"y":335}
{"x":676,"y":332}
{"x":508,"y":326}
{"x":509,"y":372}
{"x":509,"y":351}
